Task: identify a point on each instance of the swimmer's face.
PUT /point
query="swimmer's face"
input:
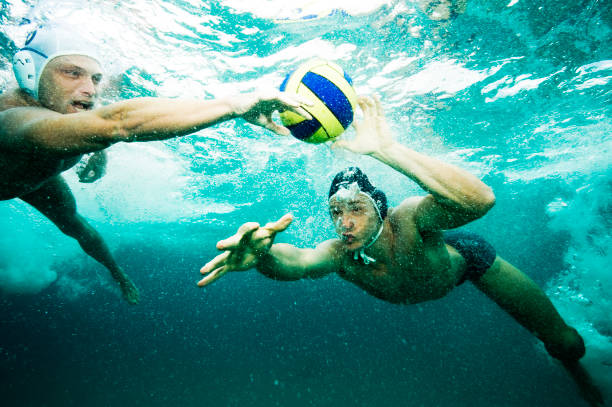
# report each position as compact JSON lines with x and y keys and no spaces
{"x":70,"y":84}
{"x":355,"y":220}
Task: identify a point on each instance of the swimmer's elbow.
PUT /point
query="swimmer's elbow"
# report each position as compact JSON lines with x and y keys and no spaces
{"x":485,"y":201}
{"x":489,"y":198}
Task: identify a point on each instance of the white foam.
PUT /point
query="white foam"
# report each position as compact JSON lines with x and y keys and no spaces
{"x":583,"y":293}
{"x":145,"y":182}
{"x":28,"y":246}
{"x":304,"y":9}
{"x":443,"y":78}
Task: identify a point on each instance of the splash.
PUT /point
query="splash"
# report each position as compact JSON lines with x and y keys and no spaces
{"x":583,"y":292}
{"x":147,"y":183}
{"x":25,"y":259}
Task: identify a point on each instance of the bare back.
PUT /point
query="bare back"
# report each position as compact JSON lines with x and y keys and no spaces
{"x":24,"y":172}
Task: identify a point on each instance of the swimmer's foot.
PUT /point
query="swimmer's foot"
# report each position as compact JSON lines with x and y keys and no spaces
{"x":588,"y":389}
{"x":130,"y":292}
{"x":128,"y":289}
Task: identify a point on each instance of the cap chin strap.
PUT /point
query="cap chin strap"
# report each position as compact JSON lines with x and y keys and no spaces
{"x":361,"y":252}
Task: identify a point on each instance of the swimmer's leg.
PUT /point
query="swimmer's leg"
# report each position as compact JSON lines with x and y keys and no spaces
{"x":525,"y":301}
{"x":55,"y":200}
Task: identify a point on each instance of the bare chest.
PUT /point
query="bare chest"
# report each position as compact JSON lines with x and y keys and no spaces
{"x":420,"y":272}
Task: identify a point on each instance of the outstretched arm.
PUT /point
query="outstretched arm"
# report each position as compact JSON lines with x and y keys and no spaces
{"x":141,"y":119}
{"x":457,"y":197}
{"x":251,"y":247}
{"x":288,"y":263}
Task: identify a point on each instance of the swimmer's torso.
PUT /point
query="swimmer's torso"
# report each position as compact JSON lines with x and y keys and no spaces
{"x":415,"y":268}
{"x":21,"y":173}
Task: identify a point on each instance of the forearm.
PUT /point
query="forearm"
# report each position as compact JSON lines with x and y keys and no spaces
{"x":140,"y":119}
{"x":146,"y":119}
{"x":282,"y":262}
{"x":448,"y":183}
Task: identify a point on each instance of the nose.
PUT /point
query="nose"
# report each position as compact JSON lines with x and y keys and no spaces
{"x":88,"y":87}
{"x":346,"y":222}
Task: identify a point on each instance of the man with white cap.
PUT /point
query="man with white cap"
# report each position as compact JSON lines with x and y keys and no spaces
{"x":51,"y":120}
{"x":406,"y":255}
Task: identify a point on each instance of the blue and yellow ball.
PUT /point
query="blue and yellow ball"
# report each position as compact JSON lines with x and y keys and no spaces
{"x":331,"y":89}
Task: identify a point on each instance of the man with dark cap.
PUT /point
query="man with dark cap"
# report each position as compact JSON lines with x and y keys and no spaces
{"x":404,"y":254}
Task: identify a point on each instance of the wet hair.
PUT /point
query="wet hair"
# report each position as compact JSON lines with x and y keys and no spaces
{"x":354,"y":174}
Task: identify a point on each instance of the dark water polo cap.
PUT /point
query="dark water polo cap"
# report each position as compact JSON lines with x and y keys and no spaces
{"x":348,"y":178}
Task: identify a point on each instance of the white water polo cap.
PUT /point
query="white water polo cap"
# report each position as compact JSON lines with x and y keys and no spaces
{"x":41,"y":46}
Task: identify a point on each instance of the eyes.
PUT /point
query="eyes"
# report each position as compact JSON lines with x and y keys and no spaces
{"x":72,"y":72}
{"x":352,"y":209}
{"x":78,"y":73}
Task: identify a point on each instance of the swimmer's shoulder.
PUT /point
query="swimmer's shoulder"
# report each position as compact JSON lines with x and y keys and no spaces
{"x":332,"y":250}
{"x":403,"y":218}
{"x":329,"y":247}
{"x":407,"y":208}
{"x":11,"y":99}
{"x":15,"y":98}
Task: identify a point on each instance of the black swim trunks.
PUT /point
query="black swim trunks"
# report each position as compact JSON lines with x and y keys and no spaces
{"x":477,"y":252}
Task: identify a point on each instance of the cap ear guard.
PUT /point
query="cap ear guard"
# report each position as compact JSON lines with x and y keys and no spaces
{"x":380,"y":200}
{"x":25,"y":71}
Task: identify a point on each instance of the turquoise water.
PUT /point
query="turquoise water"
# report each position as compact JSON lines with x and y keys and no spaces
{"x":516,"y":91}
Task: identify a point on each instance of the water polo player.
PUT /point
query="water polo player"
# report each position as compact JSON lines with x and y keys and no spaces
{"x":402,"y":254}
{"x":51,"y":120}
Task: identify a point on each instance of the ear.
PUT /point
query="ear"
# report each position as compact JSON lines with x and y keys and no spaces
{"x":25,"y":71}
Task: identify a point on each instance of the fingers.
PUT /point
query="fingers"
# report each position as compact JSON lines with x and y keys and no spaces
{"x":302,"y":112}
{"x":340,"y":144}
{"x":292,"y":100}
{"x":233,"y":241}
{"x":378,"y":105}
{"x":281,"y":224}
{"x":247,"y":238}
{"x":366,"y":104}
{"x":278,"y":129}
{"x":295,"y":104}
{"x":213,"y":276}
{"x":215,"y":263}
{"x":216,"y":267}
{"x":259,"y":110}
{"x":265,"y":121}
{"x":370,"y":105}
{"x":89,"y":177}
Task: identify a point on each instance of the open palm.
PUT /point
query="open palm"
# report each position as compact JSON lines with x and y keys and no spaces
{"x":243,"y":250}
{"x":373,"y":133}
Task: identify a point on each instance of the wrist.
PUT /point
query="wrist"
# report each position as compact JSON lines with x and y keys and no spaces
{"x":263,"y":255}
{"x":387,"y":152}
{"x":239,"y":105}
{"x":230,"y":107}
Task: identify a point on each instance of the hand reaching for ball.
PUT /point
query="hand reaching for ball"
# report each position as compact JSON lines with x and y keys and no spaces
{"x":373,"y":133}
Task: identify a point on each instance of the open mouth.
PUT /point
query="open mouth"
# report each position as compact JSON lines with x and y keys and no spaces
{"x":348,"y":238}
{"x":82,"y":105}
